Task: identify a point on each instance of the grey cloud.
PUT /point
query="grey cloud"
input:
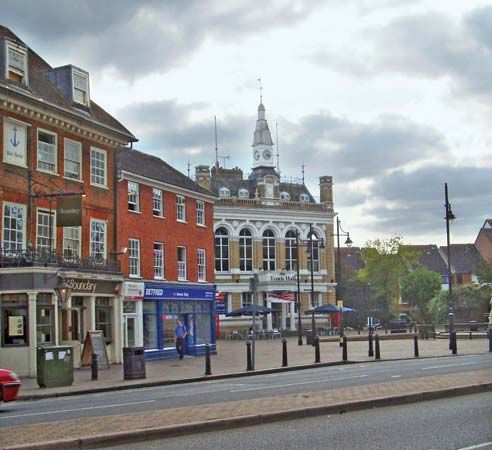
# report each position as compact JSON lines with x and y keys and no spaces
{"x":412,"y":203}
{"x":149,"y":35}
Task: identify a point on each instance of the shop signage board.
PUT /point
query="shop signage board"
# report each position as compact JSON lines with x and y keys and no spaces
{"x":159,"y":292}
{"x":94,"y":343}
{"x":133,"y":290}
{"x":69,"y":211}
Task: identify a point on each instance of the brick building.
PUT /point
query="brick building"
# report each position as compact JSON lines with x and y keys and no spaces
{"x":56,"y":145}
{"x":483,"y":242}
{"x":165,"y":221}
{"x":263,"y":226}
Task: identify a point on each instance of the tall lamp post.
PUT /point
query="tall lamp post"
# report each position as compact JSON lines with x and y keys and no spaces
{"x":339,"y":289}
{"x":298,"y":296}
{"x":449,"y":216}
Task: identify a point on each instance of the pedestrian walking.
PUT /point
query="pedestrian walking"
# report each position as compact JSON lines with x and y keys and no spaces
{"x":180,"y":333}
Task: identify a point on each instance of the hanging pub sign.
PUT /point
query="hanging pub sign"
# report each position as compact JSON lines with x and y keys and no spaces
{"x":15,"y":143}
{"x":69,"y":211}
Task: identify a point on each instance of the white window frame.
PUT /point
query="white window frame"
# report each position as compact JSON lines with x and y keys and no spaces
{"x":134,"y":258}
{"x":50,"y":147}
{"x":93,"y":243}
{"x":243,"y":193}
{"x":40,"y":232}
{"x":70,"y":251}
{"x":304,"y":198}
{"x":269,"y":261}
{"x":24,"y":73}
{"x":224,"y":192}
{"x":158,"y":261}
{"x":285,"y":196}
{"x":182,"y":274}
{"x":104,"y":169}
{"x":246,"y":299}
{"x":291,"y":250}
{"x":200,"y":213}
{"x":69,"y":174}
{"x":157,"y":202}
{"x":133,"y":197}
{"x":245,"y":244}
{"x":17,"y":245}
{"x":201,"y":264}
{"x":222,"y":250}
{"x":85,"y":92}
{"x":180,"y":208}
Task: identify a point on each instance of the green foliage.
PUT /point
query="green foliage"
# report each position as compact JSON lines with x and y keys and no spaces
{"x":484,"y":273}
{"x":386,"y":261}
{"x":419,"y":287}
{"x":437,"y":308}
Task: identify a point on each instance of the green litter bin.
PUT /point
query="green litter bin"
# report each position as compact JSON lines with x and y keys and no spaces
{"x":54,"y":366}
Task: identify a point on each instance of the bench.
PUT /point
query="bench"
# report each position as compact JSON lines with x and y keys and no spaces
{"x":425,"y":330}
{"x":468,"y":326}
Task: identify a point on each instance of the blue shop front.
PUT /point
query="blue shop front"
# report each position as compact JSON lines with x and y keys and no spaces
{"x":164,"y":304}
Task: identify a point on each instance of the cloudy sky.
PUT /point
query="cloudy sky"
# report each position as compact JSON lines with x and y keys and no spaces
{"x":393,"y":98}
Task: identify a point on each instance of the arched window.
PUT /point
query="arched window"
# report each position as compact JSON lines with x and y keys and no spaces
{"x":304,"y":198}
{"x":221,"y":250}
{"x":290,"y":250}
{"x":224,"y":192}
{"x":285,"y":196}
{"x":245,"y":250}
{"x":314,"y":238}
{"x":243,"y":193}
{"x":268,"y":250}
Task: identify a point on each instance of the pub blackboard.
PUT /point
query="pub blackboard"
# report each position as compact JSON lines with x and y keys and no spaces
{"x":94,"y":343}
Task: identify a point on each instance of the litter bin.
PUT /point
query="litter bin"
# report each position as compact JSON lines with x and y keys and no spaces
{"x":54,"y":366}
{"x":133,"y":363}
{"x":309,"y":337}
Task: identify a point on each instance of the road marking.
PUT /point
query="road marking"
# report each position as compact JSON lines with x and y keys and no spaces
{"x":395,"y":376}
{"x":472,"y":447}
{"x":77,"y":409}
{"x":448,"y":365}
{"x":297,"y":384}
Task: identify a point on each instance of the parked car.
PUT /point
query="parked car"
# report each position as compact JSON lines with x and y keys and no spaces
{"x":9,"y":385}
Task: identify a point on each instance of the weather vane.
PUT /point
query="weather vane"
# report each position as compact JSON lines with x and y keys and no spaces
{"x":261,"y":90}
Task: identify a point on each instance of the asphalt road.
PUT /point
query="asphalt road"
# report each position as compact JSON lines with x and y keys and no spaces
{"x":248,"y":387}
{"x":453,"y":423}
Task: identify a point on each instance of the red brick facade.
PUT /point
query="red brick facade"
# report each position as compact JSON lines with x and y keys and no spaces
{"x":147,"y":228}
{"x":98,"y":202}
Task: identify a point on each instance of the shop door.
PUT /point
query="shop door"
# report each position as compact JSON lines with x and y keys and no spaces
{"x":77,"y":319}
{"x":129,"y":330}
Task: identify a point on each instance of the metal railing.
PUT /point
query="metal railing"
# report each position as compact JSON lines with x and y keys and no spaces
{"x":43,"y":257}
{"x":257,"y":203}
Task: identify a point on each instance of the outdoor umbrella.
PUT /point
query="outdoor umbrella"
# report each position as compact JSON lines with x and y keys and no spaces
{"x":248,"y":311}
{"x":328,"y":309}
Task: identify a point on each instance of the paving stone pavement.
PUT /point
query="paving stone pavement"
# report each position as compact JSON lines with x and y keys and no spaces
{"x":13,"y":437}
{"x":231,"y":358}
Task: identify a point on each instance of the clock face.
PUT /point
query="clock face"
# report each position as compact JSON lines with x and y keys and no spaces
{"x":267,"y":154}
{"x":257,"y":155}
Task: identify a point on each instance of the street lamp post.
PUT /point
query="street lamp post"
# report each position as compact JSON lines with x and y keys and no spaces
{"x":312,"y":238}
{"x":449,"y":216}
{"x":339,"y":288}
{"x":298,"y":299}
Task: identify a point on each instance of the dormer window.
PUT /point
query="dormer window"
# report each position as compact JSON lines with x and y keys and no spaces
{"x":16,"y":67}
{"x":80,"y":88}
{"x":224,"y":192}
{"x":304,"y":198}
{"x":285,"y":196}
{"x":243,"y":193}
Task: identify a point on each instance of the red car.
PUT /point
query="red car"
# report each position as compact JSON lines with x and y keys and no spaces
{"x":9,"y":385}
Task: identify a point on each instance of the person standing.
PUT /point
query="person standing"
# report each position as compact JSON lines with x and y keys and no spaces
{"x":180,"y":333}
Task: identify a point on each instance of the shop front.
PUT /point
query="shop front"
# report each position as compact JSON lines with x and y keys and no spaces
{"x":164,"y":304}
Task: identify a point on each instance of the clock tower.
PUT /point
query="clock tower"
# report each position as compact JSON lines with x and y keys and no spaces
{"x":262,"y":142}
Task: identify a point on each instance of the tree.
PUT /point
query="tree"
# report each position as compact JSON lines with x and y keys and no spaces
{"x":419,"y":287}
{"x":386,"y":261}
{"x":437,"y":308}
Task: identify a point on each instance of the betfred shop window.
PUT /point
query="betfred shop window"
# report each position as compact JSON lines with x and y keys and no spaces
{"x":14,"y":322}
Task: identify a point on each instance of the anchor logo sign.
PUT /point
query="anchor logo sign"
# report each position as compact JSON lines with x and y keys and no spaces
{"x":15,"y":142}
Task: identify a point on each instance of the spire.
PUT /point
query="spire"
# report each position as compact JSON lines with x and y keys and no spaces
{"x":262,"y":133}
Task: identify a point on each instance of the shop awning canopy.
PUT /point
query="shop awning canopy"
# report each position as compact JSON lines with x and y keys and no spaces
{"x":328,"y":309}
{"x":249,"y":310}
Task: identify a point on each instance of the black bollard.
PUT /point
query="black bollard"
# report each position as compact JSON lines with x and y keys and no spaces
{"x":416,"y":345}
{"x":386,"y":329}
{"x":470,"y":335}
{"x":344,"y":349}
{"x":317,"y":357}
{"x":284,"y":352}
{"x":490,"y":340}
{"x":376,"y":341}
{"x":249,"y":362}
{"x":208,"y":369}
{"x":94,"y":367}
{"x":371,"y":348}
{"x":454,"y":343}
{"x":358,"y":330}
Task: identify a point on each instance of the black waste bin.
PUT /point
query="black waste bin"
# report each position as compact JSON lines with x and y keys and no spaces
{"x":309,"y":337}
{"x":133,"y":363}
